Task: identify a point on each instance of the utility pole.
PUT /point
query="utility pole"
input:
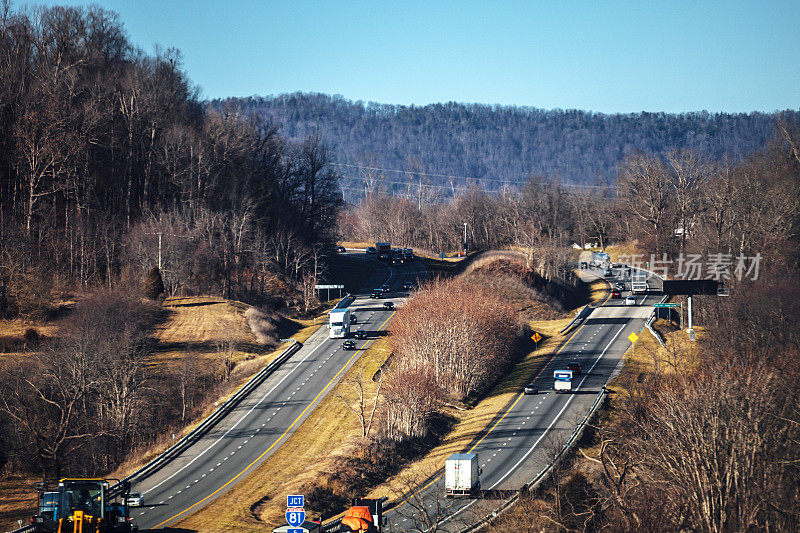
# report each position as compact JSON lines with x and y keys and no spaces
{"x":465,"y":238}
{"x":159,"y":233}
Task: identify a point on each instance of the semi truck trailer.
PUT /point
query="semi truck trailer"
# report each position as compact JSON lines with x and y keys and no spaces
{"x":461,"y":474}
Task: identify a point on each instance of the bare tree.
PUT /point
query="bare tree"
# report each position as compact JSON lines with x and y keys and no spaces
{"x":360,"y":407}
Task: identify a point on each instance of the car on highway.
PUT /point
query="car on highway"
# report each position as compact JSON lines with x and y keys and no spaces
{"x":340,"y":249}
{"x":407,"y":286}
{"x":135,"y":499}
{"x":530,"y":389}
{"x":353,"y":319}
{"x":360,"y":334}
{"x":385,"y":288}
{"x":349,"y":344}
{"x":630,"y":300}
{"x":575,"y":367}
{"x":617,"y":265}
{"x":608,"y":273}
{"x":371,"y":250}
{"x":376,"y":293}
{"x":620,"y":286}
{"x":388,"y":305}
{"x":614,"y":294}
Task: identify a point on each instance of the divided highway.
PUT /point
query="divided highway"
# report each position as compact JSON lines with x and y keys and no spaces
{"x":268,"y":416}
{"x":524,"y":439}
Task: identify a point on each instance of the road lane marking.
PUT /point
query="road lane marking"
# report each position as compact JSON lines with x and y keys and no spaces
{"x":559,"y":413}
{"x":279,"y":438}
{"x":298,"y":365}
{"x":511,"y":408}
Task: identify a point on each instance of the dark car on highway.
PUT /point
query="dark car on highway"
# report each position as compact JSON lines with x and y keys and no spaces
{"x":575,"y":367}
{"x":340,"y":249}
{"x":385,"y":288}
{"x":616,"y":294}
{"x":349,"y":344}
{"x":371,"y":250}
{"x":360,"y":334}
{"x":530,"y":389}
{"x":408,"y":286}
{"x":376,"y":293}
{"x":353,"y":319}
{"x":388,"y":305}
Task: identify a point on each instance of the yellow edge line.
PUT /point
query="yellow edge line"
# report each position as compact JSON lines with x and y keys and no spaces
{"x":519,"y":397}
{"x":279,"y":438}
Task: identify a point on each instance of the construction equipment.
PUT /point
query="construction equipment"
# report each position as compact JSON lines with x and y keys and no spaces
{"x":364,"y":516}
{"x":84,"y":505}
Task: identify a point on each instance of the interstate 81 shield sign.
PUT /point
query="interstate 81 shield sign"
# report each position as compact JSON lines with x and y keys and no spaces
{"x":295,"y":516}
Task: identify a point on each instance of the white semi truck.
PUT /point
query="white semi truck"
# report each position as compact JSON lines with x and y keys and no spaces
{"x":562,"y":381}
{"x":339,"y":323}
{"x":461,"y":474}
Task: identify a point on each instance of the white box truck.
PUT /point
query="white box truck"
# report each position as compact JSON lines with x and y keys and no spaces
{"x":563,"y":381}
{"x":639,"y":282}
{"x":461,"y":474}
{"x":339,"y":323}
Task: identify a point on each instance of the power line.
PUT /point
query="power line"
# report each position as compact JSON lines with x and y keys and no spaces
{"x":453,"y":176}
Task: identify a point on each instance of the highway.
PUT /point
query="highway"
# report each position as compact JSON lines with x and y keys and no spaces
{"x":524,"y":438}
{"x":268,"y":416}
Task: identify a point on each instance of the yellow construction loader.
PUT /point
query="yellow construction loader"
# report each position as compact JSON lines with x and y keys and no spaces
{"x":84,"y":505}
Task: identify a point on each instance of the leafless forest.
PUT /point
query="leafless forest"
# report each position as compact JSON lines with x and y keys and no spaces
{"x":106,"y":151}
{"x":104,"y":148}
{"x":451,"y":340}
{"x":110,"y":165}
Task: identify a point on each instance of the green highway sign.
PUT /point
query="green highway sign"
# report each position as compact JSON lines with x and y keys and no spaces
{"x":666,"y":305}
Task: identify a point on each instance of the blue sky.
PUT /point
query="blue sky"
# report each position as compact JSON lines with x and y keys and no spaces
{"x":601,"y":56}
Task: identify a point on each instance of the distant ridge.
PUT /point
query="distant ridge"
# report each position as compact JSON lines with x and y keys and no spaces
{"x":502,"y":143}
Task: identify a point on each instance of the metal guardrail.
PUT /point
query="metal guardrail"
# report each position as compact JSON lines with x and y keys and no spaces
{"x":582,"y":313}
{"x":23,"y":529}
{"x":213,"y":418}
{"x":649,"y":325}
{"x":205,"y":425}
{"x":544,"y":472}
{"x":331,"y":527}
{"x":577,"y":432}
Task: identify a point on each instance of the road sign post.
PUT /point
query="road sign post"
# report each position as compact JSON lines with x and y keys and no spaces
{"x":633,"y":337}
{"x":536,"y":338}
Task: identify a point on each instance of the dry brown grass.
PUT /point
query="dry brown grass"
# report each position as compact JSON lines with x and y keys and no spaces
{"x":647,"y":356}
{"x":615,"y":251}
{"x":207,"y":327}
{"x":17,"y":500}
{"x":356,"y":244}
{"x":472,"y":424}
{"x":17,"y":328}
{"x":331,"y":431}
{"x":310,"y":452}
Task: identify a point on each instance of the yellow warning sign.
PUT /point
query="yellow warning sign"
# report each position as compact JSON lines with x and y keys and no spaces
{"x":536,"y":337}
{"x":633,"y":337}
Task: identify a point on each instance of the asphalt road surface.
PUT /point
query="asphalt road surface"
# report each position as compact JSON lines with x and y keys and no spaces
{"x":267,"y":417}
{"x":524,"y":439}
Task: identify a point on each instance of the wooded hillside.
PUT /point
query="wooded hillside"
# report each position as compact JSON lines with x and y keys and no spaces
{"x":497,"y":145}
{"x":103,"y":148}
